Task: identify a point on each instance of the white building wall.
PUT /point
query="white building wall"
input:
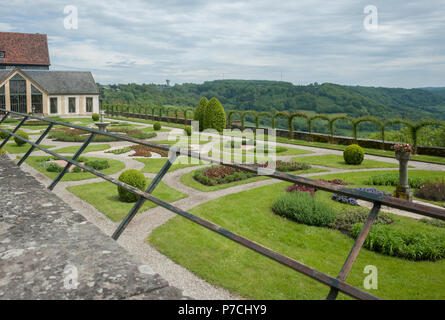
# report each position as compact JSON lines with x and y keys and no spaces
{"x":63,"y":108}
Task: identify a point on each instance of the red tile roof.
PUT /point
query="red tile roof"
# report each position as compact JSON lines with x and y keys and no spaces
{"x":24,"y":48}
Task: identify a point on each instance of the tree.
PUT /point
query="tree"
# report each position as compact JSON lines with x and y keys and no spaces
{"x":200,"y":112}
{"x":214,"y":116}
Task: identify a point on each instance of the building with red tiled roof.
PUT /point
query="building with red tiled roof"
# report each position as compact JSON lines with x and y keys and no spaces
{"x":27,"y":85}
{"x":24,"y":51}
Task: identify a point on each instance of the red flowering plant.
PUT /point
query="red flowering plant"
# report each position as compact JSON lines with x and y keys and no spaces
{"x":402,"y":147}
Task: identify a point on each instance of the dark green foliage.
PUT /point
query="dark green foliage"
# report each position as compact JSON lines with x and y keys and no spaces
{"x":23,"y":135}
{"x":135,"y":179}
{"x":188,"y":130}
{"x":200,"y":112}
{"x":119,"y":151}
{"x":353,"y":154}
{"x":214,"y":116}
{"x":95,"y":117}
{"x":412,"y":245}
{"x":433,"y":222}
{"x":76,"y":170}
{"x":54,"y":167}
{"x":349,"y":217}
{"x":392,"y":179}
{"x":432,"y":190}
{"x":3,"y":135}
{"x":98,"y":164}
{"x":303,"y":208}
{"x":354,"y":101}
{"x":157,"y":126}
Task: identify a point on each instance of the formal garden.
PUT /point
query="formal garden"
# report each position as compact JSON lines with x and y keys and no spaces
{"x":312,"y":226}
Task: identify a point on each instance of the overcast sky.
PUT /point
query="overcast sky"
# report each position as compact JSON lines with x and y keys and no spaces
{"x":196,"y":40}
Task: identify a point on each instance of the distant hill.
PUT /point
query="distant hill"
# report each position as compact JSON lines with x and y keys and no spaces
{"x":257,"y":95}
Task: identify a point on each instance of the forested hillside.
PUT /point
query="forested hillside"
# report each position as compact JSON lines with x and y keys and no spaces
{"x":328,"y":98}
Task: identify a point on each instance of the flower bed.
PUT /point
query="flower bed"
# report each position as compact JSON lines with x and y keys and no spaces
{"x":220,"y":175}
{"x":285,"y":166}
{"x":352,"y":201}
{"x":145,"y":151}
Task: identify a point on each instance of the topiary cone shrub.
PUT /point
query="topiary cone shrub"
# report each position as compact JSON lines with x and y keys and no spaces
{"x":135,"y":179}
{"x":95,"y":117}
{"x":215,"y":116}
{"x":200,"y":112}
{"x":23,"y":135}
{"x":188,"y":130}
{"x":353,"y":154}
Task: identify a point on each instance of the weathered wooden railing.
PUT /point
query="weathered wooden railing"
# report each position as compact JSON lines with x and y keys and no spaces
{"x":336,"y":284}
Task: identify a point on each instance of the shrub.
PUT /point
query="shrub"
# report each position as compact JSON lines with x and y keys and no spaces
{"x":214,"y":116}
{"x":3,"y":135}
{"x":2,"y":151}
{"x":303,"y":208}
{"x":285,"y":166}
{"x":133,"y":178}
{"x":157,"y":126}
{"x":188,"y":130}
{"x":53,"y":167}
{"x":412,"y":245}
{"x":392,"y":179}
{"x":95,"y":117}
{"x":353,"y":154}
{"x":76,"y":169}
{"x":433,"y":222}
{"x":23,"y":135}
{"x":432,"y":190}
{"x":200,"y":112}
{"x":98,"y":164}
{"x":351,"y":216}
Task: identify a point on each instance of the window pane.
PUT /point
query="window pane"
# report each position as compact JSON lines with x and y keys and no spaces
{"x":89,"y":104}
{"x":71,"y":105}
{"x":53,"y":105}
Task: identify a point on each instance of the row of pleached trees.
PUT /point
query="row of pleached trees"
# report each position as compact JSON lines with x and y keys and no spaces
{"x":188,"y":113}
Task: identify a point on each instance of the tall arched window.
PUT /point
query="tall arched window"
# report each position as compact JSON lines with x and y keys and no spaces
{"x":17,"y":93}
{"x":36,"y":100}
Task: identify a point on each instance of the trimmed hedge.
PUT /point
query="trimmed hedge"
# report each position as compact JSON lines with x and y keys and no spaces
{"x":412,"y":245}
{"x":23,"y":135}
{"x":303,"y":208}
{"x":392,"y":179}
{"x":214,"y":116}
{"x":157,"y":126}
{"x":188,"y":130}
{"x":95,"y":117}
{"x":3,"y":135}
{"x":353,"y":154}
{"x":135,"y":179}
{"x":200,"y":112}
{"x":98,"y":164}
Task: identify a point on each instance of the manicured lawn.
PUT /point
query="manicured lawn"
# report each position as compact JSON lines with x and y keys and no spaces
{"x":188,"y":180}
{"x":104,"y":197}
{"x":15,"y":149}
{"x":90,"y":148}
{"x":154,"y":165}
{"x":181,"y":142}
{"x":240,"y":270}
{"x":35,"y":161}
{"x":337,"y":161}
